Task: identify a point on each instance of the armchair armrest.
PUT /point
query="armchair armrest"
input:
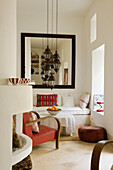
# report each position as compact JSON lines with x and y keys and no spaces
{"x":44,"y":118}
{"x":96,"y":153}
{"x":58,"y":126}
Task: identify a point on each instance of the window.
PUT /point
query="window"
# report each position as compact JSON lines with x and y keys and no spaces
{"x":93,"y":28}
{"x":98,"y":72}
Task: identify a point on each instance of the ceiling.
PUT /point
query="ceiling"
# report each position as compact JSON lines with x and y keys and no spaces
{"x":74,"y":6}
{"x":66,"y":7}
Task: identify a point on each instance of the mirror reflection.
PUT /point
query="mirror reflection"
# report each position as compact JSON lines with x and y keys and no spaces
{"x":48,"y":61}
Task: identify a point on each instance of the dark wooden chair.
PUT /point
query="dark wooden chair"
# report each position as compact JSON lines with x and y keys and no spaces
{"x":96,"y":153}
{"x":45,"y":133}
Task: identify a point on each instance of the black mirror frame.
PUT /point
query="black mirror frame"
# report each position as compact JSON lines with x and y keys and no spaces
{"x":72,"y":37}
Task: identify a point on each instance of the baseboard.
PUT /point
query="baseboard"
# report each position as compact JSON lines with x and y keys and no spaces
{"x":109,"y":136}
{"x":92,"y":123}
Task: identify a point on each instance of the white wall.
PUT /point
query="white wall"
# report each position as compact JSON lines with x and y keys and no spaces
{"x":7,"y":40}
{"x":7,"y":69}
{"x":32,"y":18}
{"x":104,"y":12}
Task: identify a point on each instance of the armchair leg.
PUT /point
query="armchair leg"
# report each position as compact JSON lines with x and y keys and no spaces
{"x":58,"y":133}
{"x":57,"y":143}
{"x":58,"y":137}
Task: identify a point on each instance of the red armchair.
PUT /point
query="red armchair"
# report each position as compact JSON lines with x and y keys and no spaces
{"x":45,"y":133}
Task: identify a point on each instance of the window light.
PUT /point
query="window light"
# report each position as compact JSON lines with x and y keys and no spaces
{"x":93,"y":28}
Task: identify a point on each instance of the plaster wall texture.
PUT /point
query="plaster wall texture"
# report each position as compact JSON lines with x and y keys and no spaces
{"x":7,"y":40}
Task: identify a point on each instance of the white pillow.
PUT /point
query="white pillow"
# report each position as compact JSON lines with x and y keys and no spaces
{"x":59,"y":99}
{"x":68,"y":101}
{"x":62,"y":96}
{"x":34,"y":99}
{"x":84,"y":100}
{"x":34,"y":126}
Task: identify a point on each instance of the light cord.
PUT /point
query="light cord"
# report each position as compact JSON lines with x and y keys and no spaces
{"x":56,"y":21}
{"x":47,"y":20}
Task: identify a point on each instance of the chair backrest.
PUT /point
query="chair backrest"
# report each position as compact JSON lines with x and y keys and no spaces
{"x":27,"y":129}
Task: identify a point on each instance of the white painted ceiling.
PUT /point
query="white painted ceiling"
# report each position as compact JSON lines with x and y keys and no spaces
{"x":74,"y":6}
{"x":66,"y":7}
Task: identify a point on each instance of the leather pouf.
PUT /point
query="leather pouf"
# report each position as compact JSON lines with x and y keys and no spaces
{"x":92,"y":133}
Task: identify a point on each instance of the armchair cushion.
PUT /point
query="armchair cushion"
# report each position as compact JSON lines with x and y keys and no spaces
{"x":46,"y":134}
{"x":34,"y":126}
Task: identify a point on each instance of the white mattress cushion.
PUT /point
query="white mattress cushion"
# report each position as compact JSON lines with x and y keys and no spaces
{"x":59,"y":99}
{"x":72,"y":110}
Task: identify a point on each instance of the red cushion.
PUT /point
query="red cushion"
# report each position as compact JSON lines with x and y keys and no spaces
{"x":46,"y":134}
{"x":46,"y":100}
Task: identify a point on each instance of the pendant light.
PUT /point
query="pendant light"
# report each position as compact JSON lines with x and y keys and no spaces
{"x":56,"y":57}
{"x":51,"y":80}
{"x":47,"y":56}
{"x":47,"y":53}
{"x":50,"y":62}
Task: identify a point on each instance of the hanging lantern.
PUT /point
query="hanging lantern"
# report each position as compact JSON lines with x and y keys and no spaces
{"x":51,"y":80}
{"x":51,"y":63}
{"x":47,"y":69}
{"x":56,"y":62}
{"x":47,"y":53}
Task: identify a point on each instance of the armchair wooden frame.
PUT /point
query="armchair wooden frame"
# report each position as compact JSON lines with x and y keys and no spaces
{"x":96,"y":153}
{"x":44,"y":118}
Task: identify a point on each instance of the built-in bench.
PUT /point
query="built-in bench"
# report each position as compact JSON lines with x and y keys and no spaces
{"x":69,"y":105}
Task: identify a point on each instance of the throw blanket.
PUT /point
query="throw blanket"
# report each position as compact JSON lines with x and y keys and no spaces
{"x":66,"y":119}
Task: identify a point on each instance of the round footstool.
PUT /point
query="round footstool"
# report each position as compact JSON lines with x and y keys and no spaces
{"x":92,"y":133}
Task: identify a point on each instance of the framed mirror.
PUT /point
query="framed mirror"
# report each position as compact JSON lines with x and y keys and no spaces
{"x":33,"y":46}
